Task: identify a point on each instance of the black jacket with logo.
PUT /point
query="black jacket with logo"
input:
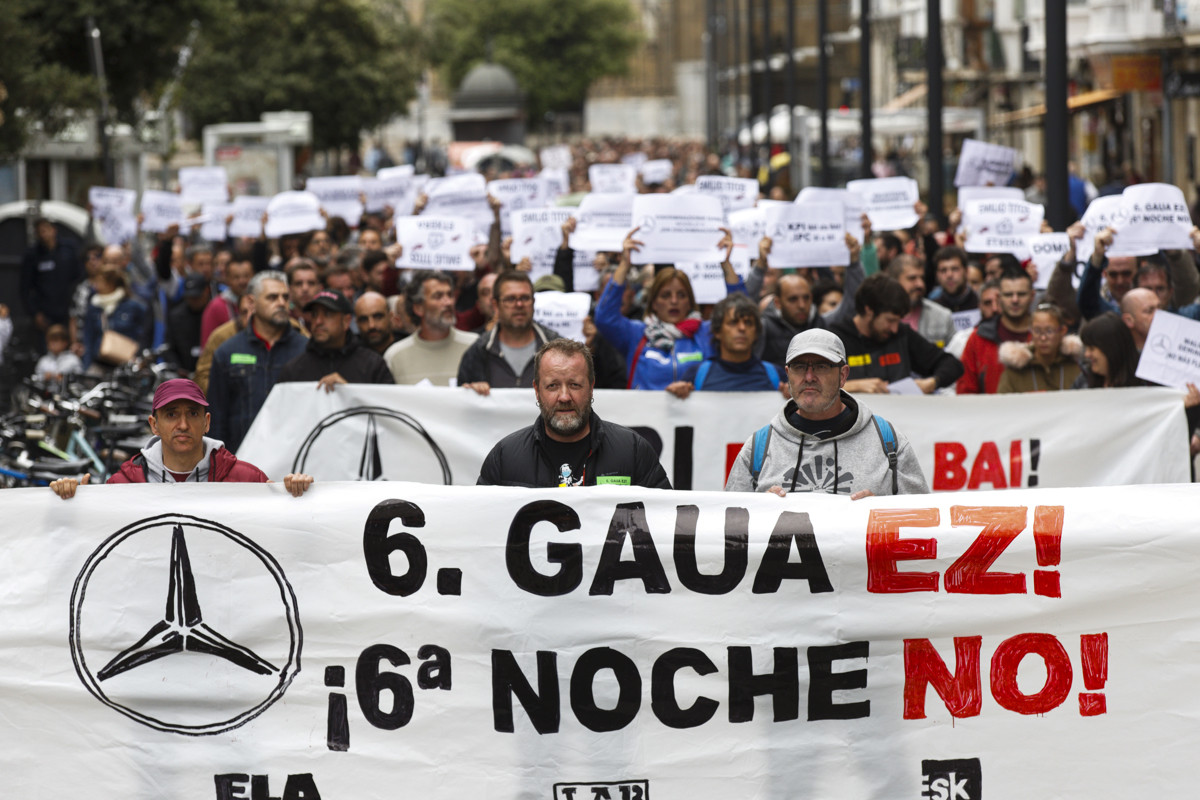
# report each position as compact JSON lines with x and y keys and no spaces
{"x":616,"y":455}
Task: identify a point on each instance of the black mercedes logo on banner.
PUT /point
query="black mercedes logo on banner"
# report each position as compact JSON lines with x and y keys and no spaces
{"x":367,"y":464}
{"x":184,"y":625}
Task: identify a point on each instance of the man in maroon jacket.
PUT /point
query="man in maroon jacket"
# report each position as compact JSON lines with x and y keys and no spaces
{"x":180,"y":452}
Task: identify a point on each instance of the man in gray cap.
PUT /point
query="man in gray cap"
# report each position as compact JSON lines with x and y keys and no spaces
{"x":824,"y":440}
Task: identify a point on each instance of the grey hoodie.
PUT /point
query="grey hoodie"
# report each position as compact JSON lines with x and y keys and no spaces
{"x":844,"y":464}
{"x":156,"y":471}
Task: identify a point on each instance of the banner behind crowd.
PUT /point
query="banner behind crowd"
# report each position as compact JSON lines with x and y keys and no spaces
{"x":377,"y":640}
{"x":440,"y":435}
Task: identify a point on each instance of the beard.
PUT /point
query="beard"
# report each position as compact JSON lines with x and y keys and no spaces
{"x":565,"y":424}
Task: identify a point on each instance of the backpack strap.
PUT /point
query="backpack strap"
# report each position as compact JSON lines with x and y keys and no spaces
{"x":761,"y":437}
{"x":701,"y":374}
{"x":637,"y":355}
{"x":772,"y":374}
{"x":887,"y":437}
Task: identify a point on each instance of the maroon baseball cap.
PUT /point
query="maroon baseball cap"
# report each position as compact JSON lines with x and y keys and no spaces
{"x":177,"y":389}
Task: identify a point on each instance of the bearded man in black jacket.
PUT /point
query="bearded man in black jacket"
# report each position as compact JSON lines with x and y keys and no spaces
{"x":333,"y":354}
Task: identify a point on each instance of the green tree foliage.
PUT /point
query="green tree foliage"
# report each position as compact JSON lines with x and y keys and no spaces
{"x":555,"y":48}
{"x":352,"y":63}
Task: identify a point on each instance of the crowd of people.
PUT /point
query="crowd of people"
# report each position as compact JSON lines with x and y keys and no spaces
{"x":239,"y":316}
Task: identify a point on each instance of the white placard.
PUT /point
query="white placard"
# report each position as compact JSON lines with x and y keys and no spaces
{"x":558,"y":181}
{"x":247,"y":216}
{"x":966,"y":320}
{"x":675,"y":228}
{"x":431,"y":242}
{"x":399,"y":192}
{"x":556,"y":157}
{"x":890,"y":202}
{"x":1046,"y":250}
{"x":708,"y":278}
{"x":113,"y":210}
{"x":748,"y":226}
{"x":399,"y":171}
{"x":603,"y":221}
{"x":537,"y":235}
{"x":635,"y":159}
{"x":213,"y":229}
{"x":984,"y":164}
{"x":340,"y":196}
{"x":612,"y":178}
{"x":1172,"y":353}
{"x":200,"y":185}
{"x":852,"y":203}
{"x":735,"y":193}
{"x":808,"y":235}
{"x":160,"y":210}
{"x":517,"y":194}
{"x":562,"y":312}
{"x":657,"y":171}
{"x":1151,"y":217}
{"x":1100,"y":214}
{"x":1000,"y":226}
{"x":968,"y":193}
{"x":905,"y":386}
{"x":462,"y":196}
{"x":293,"y":212}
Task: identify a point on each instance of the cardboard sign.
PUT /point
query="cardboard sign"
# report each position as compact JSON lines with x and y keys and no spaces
{"x":1000,"y":226}
{"x":440,"y":243}
{"x":890,"y":202}
{"x":675,"y":228}
{"x":984,"y":164}
{"x":602,"y":222}
{"x":293,"y":212}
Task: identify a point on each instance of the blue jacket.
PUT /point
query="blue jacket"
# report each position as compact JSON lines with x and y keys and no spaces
{"x":130,"y":318}
{"x":654,"y":369}
{"x":243,"y":372}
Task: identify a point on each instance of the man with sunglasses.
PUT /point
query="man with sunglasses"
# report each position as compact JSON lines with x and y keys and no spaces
{"x":824,"y":440}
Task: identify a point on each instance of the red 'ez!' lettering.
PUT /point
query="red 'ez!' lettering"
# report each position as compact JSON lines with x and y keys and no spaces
{"x":969,"y":574}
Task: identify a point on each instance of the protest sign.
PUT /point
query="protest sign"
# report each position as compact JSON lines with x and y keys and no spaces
{"x":657,"y":171}
{"x":200,"y":185}
{"x":708,"y":277}
{"x":1151,"y":217}
{"x":968,"y":193}
{"x":1000,"y":226}
{"x":461,"y":196}
{"x":293,"y":212}
{"x":966,"y":320}
{"x":558,"y":181}
{"x":398,"y":192}
{"x":677,"y":228}
{"x":432,"y":242}
{"x":808,"y":234}
{"x":890,"y":202}
{"x":612,"y":178}
{"x":213,"y":228}
{"x":161,"y":210}
{"x":749,"y":226}
{"x":562,"y":312}
{"x":635,"y":159}
{"x":399,"y":171}
{"x":735,"y":193}
{"x":537,"y":235}
{"x":1100,"y":214}
{"x":340,"y":196}
{"x":113,"y":211}
{"x":556,"y":157}
{"x":247,"y":216}
{"x":602,"y":222}
{"x":994,"y":441}
{"x":852,"y":204}
{"x":984,"y":164}
{"x":516,"y":194}
{"x":1171,"y":356}
{"x":1046,"y":250}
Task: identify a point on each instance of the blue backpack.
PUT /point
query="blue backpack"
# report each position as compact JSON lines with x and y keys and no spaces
{"x":887,"y":438}
{"x":702,"y":374}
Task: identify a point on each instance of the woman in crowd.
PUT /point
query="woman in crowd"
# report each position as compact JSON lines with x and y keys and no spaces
{"x":1109,"y":354}
{"x":1049,"y":362}
{"x":672,"y":335}
{"x":112,"y":308}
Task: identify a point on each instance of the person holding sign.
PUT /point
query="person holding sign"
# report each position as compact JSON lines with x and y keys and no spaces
{"x":672,"y":334}
{"x":569,"y":445}
{"x":502,"y":358}
{"x":823,"y":440}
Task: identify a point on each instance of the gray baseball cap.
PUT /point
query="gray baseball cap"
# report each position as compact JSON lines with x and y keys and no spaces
{"x":817,"y":342}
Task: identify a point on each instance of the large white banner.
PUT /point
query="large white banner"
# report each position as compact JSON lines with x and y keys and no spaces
{"x":226,"y":641}
{"x":441,"y":435}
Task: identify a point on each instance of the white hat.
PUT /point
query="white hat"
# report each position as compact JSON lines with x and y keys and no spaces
{"x":817,"y":342}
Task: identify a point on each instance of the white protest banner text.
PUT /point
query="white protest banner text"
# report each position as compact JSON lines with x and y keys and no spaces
{"x":229,"y":641}
{"x":983,"y":164}
{"x":602,"y":222}
{"x":1172,"y":353}
{"x":612,"y":178}
{"x":293,"y":212}
{"x":810,"y":234}
{"x":1100,"y":214}
{"x":708,"y":277}
{"x":213,"y":228}
{"x":340,"y":196}
{"x":431,"y":242}
{"x":247,"y":216}
{"x":199,"y":185}
{"x":852,"y":204}
{"x":399,"y":192}
{"x":113,"y":209}
{"x":558,"y":181}
{"x":161,"y":210}
{"x":1152,"y":217}
{"x":461,"y":196}
{"x":562,"y":312}
{"x":679,"y":227}
{"x":517,"y":194}
{"x":968,"y":442}
{"x":890,"y":202}
{"x":537,"y":235}
{"x":1000,"y":226}
{"x":735,"y":193}
{"x":1046,"y":250}
{"x":556,"y":157}
{"x":656,"y":171}
{"x":968,"y":193}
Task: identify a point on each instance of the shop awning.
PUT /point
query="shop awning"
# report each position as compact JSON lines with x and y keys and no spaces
{"x":1081,"y":100}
